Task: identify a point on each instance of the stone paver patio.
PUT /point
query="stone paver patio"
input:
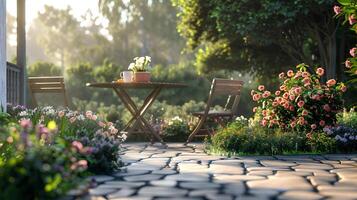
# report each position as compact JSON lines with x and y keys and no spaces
{"x":180,"y":172}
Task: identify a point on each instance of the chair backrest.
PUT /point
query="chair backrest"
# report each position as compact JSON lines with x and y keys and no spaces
{"x":47,"y":84}
{"x":226,"y":87}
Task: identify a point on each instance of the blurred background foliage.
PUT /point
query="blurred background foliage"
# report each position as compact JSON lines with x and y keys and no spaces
{"x":190,"y":41}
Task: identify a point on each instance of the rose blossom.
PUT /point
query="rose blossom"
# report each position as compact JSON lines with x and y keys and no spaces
{"x":275,"y":104}
{"x":343,"y":88}
{"x":353,"y":51}
{"x":282,"y":88}
{"x":331,"y":82}
{"x":304,"y":113}
{"x":301,"y":103}
{"x":25,"y":123}
{"x":305,"y":74}
{"x":266,"y":94}
{"x":298,"y":90}
{"x":337,"y":9}
{"x":292,"y":97}
{"x":255,"y":109}
{"x":352,"y":19}
{"x":277,"y":93}
{"x":256,"y":97}
{"x":290,"y":73}
{"x":320,"y":71}
{"x":72,"y":120}
{"x":322,"y":123}
{"x":327,"y":108}
{"x":77,"y":145}
{"x":293,"y":124}
{"x":313,"y":126}
{"x":264,"y":122}
{"x":286,"y":95}
{"x":298,"y":74}
{"x":261,"y":87}
{"x":348,"y":64}
{"x":291,"y":108}
{"x":281,"y":75}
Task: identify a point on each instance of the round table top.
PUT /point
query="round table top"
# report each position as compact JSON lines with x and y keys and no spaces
{"x":116,"y":84}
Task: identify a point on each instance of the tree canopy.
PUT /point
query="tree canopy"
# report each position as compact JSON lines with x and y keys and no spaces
{"x":260,"y":35}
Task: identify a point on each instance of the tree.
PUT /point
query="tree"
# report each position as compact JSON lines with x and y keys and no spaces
{"x":142,"y":28}
{"x":261,"y":35}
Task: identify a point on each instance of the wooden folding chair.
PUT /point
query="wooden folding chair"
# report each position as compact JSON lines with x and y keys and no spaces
{"x":47,"y":84}
{"x":219,"y":87}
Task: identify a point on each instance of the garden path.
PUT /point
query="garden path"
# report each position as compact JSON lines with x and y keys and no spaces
{"x":180,"y":172}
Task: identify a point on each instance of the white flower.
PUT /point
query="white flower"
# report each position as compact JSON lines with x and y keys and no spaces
{"x":23,"y":113}
{"x":131,"y":66}
{"x":177,"y":118}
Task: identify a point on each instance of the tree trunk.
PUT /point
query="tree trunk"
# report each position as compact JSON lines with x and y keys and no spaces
{"x":331,"y":67}
{"x":3,"y":55}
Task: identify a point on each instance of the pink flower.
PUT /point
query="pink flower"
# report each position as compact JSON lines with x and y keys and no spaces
{"x":320,"y":71}
{"x":352,"y":20}
{"x":256,"y":97}
{"x":255,"y":109}
{"x":298,"y":90}
{"x":282,"y":88}
{"x":286,"y":95}
{"x":61,"y":113}
{"x":293,"y":124}
{"x":292,"y":97}
{"x":275,"y":104}
{"x":264,"y":122}
{"x":89,"y":114}
{"x":261,"y":87}
{"x":94,"y":117}
{"x":348,"y":64}
{"x":343,"y":88}
{"x":281,"y":75}
{"x":322,"y":123}
{"x":290,"y":73}
{"x":301,"y":103}
{"x":327,"y":108}
{"x":353,"y":51}
{"x":305,"y":74}
{"x":313,"y":126}
{"x":101,"y":124}
{"x":337,"y":9}
{"x":298,"y":74}
{"x":77,"y":145}
{"x":331,"y":82}
{"x":83,"y":164}
{"x":304,"y":113}
{"x":266,"y":94}
{"x":277,"y":93}
{"x":72,"y":120}
{"x":264,"y":112}
{"x":291,"y":108}
{"x":26,"y":123}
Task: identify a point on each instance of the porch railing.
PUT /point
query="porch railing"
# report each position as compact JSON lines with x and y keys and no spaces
{"x":13,"y":75}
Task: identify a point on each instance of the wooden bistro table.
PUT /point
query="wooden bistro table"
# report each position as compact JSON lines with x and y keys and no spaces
{"x":138,"y":121}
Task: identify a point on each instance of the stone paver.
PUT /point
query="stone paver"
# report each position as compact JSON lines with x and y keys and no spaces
{"x":186,"y":172}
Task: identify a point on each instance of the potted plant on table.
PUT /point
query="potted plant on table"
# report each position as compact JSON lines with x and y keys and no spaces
{"x":140,"y":68}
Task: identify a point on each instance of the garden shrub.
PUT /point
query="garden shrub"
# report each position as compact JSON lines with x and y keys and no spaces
{"x":44,"y":152}
{"x":34,"y":164}
{"x":176,"y":130}
{"x":322,"y":143}
{"x":301,"y":103}
{"x":238,"y":138}
{"x":348,"y":118}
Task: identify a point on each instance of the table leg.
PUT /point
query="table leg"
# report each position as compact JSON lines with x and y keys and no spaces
{"x":138,"y":113}
{"x":147,"y":103}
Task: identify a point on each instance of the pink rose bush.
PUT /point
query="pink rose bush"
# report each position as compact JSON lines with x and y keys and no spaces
{"x":348,"y":10}
{"x":302,"y":101}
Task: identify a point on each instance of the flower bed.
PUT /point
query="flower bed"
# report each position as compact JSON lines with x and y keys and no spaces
{"x":303,"y":115}
{"x":45,"y":152}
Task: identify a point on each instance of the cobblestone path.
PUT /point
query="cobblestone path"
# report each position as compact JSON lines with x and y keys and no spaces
{"x":180,"y":172}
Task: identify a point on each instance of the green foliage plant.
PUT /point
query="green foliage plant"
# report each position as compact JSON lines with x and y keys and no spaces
{"x":348,"y":11}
